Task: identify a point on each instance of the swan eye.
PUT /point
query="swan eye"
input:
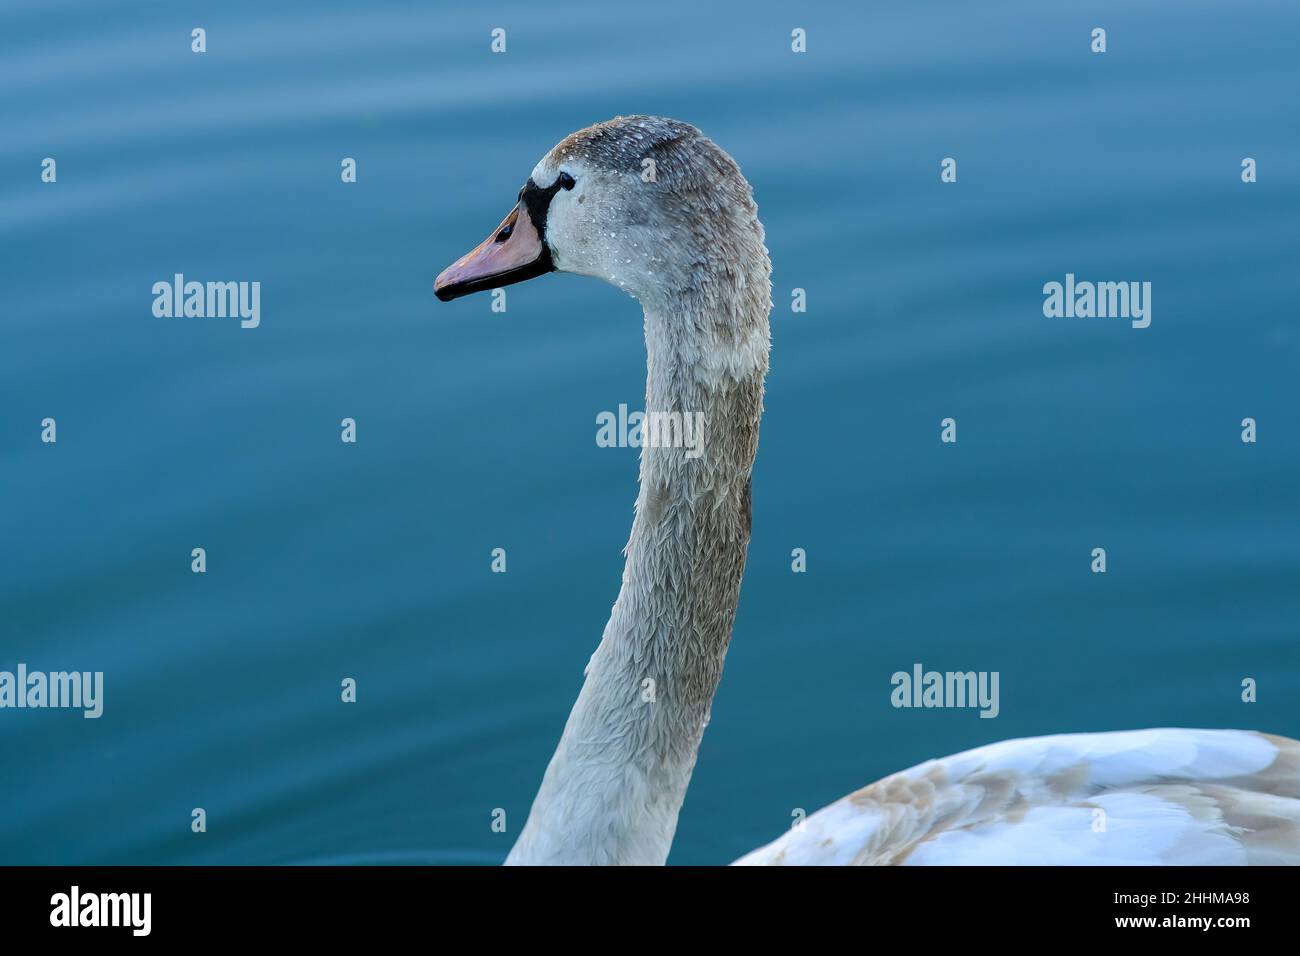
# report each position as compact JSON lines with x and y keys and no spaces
{"x":565,"y":181}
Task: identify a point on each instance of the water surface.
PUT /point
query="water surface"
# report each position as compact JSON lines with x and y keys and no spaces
{"x":476,"y":430}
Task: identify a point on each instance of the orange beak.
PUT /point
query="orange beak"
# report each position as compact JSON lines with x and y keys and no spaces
{"x":514,"y":252}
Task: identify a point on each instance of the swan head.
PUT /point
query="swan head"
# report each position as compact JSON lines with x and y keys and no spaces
{"x":647,"y":204}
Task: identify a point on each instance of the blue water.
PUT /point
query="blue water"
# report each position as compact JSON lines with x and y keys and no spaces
{"x":476,"y":430}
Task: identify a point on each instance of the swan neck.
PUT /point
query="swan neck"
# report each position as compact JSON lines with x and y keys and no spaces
{"x":613,"y":789}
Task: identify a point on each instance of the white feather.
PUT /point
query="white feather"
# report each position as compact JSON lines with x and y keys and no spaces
{"x":1128,"y":798}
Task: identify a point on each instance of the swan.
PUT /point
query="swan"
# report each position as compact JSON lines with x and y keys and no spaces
{"x":655,"y":208}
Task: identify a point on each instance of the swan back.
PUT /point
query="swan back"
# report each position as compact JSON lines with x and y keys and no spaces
{"x":1143,"y":797}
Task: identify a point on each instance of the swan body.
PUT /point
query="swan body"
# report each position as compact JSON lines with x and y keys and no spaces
{"x":1138,"y":797}
{"x":658,"y":210}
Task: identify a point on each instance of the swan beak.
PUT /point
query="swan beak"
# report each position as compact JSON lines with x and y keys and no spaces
{"x":513,"y":252}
